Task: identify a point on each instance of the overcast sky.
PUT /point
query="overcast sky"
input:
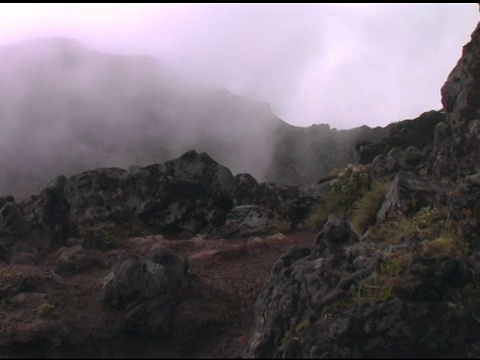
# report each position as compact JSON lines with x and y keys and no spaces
{"x":345,"y":65}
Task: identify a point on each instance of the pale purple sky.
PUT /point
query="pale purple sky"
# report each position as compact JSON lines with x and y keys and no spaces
{"x":345,"y":65}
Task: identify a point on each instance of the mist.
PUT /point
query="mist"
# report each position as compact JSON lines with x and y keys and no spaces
{"x":114,"y":85}
{"x":343,"y":64}
{"x":66,"y":108}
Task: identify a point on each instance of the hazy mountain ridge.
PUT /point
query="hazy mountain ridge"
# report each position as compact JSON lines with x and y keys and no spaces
{"x":66,"y":108}
{"x":304,"y":155}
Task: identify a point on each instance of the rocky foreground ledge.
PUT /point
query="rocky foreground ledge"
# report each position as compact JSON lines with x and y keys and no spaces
{"x":344,"y":298}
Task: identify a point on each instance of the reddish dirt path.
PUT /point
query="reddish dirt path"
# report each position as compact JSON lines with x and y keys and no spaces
{"x":236,"y":267}
{"x":241,"y":270}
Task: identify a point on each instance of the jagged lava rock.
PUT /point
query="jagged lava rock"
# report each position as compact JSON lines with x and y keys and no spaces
{"x":456,"y":149}
{"x":308,"y":310}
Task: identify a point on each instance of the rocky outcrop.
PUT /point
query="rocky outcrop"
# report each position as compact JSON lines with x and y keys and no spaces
{"x":304,"y":155}
{"x":341,"y":299}
{"x":247,"y":220}
{"x":182,"y":197}
{"x":456,"y":149}
{"x":49,"y":213}
{"x":75,"y":259}
{"x":143,"y":293}
{"x":402,"y":146}
{"x":163,"y":197}
{"x":288,"y":204}
{"x":16,"y":232}
{"x":192,"y":180}
{"x":418,"y":132}
{"x":465,"y":209}
{"x":408,"y":193}
{"x":385,"y":166}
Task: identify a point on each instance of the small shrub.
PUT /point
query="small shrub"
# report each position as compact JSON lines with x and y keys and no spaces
{"x":101,"y":236}
{"x":287,"y":337}
{"x":44,"y":310}
{"x":394,"y":265}
{"x":349,"y":185}
{"x":444,"y":245}
{"x":334,"y":203}
{"x":279,"y":227}
{"x":305,"y":324}
{"x":371,"y":289}
{"x":365,"y":209}
{"x":334,"y":171}
{"x":427,"y":223}
{"x":381,"y":283}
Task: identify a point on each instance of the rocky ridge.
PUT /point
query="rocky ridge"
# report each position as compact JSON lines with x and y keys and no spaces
{"x":183,"y":197}
{"x":140,"y":124}
{"x":405,"y":283}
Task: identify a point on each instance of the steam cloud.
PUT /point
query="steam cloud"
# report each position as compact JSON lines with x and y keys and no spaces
{"x":346,"y":65}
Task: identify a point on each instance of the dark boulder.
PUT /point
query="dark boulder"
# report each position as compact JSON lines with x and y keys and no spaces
{"x":16,"y":235}
{"x":408,"y":193}
{"x":288,"y":204}
{"x":98,"y":196}
{"x":248,"y":220}
{"x":334,"y":235}
{"x":49,"y":213}
{"x":384,"y":166}
{"x":195,"y":196}
{"x":368,"y":150}
{"x":142,"y":293}
{"x":74,"y":260}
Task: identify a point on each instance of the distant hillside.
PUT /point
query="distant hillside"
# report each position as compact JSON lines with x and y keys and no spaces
{"x":304,"y":155}
{"x":66,"y":108}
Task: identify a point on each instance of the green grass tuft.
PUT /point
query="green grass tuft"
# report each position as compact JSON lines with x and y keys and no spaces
{"x":444,"y":245}
{"x":365,"y":209}
{"x":350,"y":183}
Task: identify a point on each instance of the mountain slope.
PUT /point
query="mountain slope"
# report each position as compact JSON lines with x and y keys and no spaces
{"x":393,"y":273}
{"x":66,"y":108}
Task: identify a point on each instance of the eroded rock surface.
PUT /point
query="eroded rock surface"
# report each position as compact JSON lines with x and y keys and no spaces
{"x":186,"y":196}
{"x":314,"y":304}
{"x":144,"y":292}
{"x":409,"y":193}
{"x":456,"y":149}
